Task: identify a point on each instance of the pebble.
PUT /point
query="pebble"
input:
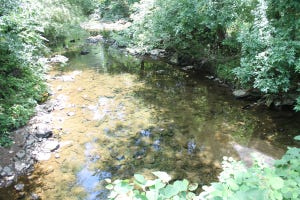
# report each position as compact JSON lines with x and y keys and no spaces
{"x":21,"y":154}
{"x":8,"y":171}
{"x":34,"y":196}
{"x":19,"y":187}
{"x":71,"y":114}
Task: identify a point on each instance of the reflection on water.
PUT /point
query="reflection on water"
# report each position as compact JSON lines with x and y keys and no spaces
{"x":137,"y":119}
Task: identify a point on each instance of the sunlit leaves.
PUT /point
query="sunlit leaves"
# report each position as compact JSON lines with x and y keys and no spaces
{"x":152,"y":189}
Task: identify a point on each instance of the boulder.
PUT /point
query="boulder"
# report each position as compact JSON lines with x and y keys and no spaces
{"x":41,"y":156}
{"x":240,"y":93}
{"x":49,"y":146}
{"x":43,"y":131}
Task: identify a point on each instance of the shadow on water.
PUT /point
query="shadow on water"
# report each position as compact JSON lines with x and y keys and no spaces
{"x":198,"y":121}
{"x":192,"y":123}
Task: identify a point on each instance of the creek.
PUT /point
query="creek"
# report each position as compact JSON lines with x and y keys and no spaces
{"x":119,"y":117}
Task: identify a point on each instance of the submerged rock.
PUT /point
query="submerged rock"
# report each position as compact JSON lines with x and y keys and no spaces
{"x":84,"y":52}
{"x":95,"y":39}
{"x":145,"y":133}
{"x":248,"y":155}
{"x":59,"y":59}
{"x":191,"y":146}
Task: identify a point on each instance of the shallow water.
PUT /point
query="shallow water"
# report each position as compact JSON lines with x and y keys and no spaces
{"x":119,"y":118}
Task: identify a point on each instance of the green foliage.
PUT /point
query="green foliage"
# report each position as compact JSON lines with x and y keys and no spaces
{"x":159,"y":188}
{"x":259,"y":181}
{"x":236,"y":182}
{"x":264,"y":34}
{"x":115,"y":9}
{"x":25,"y":27}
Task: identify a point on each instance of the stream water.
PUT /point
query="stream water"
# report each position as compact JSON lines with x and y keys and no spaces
{"x":119,"y":117}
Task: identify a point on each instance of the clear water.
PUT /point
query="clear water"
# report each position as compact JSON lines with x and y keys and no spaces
{"x":129,"y":118}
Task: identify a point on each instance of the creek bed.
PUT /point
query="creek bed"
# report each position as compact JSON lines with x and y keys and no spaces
{"x":118,"y":118}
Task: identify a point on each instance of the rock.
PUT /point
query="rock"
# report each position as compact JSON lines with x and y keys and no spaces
{"x":139,"y":154}
{"x":120,"y":157}
{"x":156,"y":145}
{"x":59,"y":59}
{"x":210,"y":77}
{"x":20,"y":167}
{"x":43,"y":131}
{"x":7,"y":171}
{"x":145,"y":133}
{"x":34,"y":196}
{"x":49,"y":146}
{"x":30,"y":141}
{"x":84,"y":52}
{"x":189,"y":67}
{"x":67,"y":78}
{"x":21,"y":154}
{"x":70,"y":114}
{"x":10,"y":179}
{"x":174,"y":58}
{"x":95,"y":39}
{"x":41,"y":156}
{"x":19,"y":187}
{"x":66,"y":143}
{"x":191,"y":146}
{"x":248,"y":155}
{"x":240,"y":93}
{"x":157,"y":53}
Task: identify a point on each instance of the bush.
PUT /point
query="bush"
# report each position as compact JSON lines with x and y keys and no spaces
{"x":25,"y":28}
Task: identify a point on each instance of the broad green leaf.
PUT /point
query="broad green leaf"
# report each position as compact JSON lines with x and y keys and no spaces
{"x":181,"y":185}
{"x":109,"y":187}
{"x":193,"y":186}
{"x":152,"y":195}
{"x":168,"y":191}
{"x":107,"y":180}
{"x":190,"y":196}
{"x":297,"y":137}
{"x":140,"y":179}
{"x":123,"y":187}
{"x":158,"y":185}
{"x":276,"y":182}
{"x":162,"y":176}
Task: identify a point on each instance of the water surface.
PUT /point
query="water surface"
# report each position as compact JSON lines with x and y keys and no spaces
{"x":122,"y":117}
